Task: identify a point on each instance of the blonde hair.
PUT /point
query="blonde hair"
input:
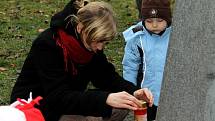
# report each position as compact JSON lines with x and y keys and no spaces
{"x":98,"y":21}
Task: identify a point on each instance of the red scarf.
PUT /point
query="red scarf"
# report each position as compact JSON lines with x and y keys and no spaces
{"x":72,"y":50}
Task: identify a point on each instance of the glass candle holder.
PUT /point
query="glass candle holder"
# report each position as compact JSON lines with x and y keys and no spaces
{"x":141,"y":115}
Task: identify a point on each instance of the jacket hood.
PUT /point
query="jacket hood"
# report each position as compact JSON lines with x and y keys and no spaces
{"x":59,"y":19}
{"x":129,"y":33}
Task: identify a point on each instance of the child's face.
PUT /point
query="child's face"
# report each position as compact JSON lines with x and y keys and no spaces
{"x":155,"y":25}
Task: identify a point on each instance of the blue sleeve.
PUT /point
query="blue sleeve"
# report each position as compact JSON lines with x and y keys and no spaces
{"x":131,"y":59}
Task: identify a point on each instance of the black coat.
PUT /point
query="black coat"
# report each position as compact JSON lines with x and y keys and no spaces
{"x":44,"y":74}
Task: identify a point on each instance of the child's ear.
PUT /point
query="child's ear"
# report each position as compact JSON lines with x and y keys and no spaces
{"x":79,"y":27}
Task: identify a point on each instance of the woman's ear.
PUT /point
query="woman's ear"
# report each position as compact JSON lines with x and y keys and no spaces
{"x":79,"y":27}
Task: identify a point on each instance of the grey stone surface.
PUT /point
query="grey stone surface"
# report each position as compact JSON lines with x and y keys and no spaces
{"x":188,"y":89}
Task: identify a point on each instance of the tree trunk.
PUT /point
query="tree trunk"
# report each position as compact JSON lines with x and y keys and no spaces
{"x":188,"y":89}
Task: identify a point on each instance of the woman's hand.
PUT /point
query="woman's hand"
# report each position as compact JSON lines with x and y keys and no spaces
{"x":144,"y":94}
{"x":123,"y":100}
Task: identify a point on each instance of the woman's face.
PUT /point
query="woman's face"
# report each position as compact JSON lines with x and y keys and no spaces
{"x":97,"y":45}
{"x":155,"y":25}
{"x":94,"y":45}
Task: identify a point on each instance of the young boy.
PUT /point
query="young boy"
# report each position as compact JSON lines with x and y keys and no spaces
{"x":146,"y":48}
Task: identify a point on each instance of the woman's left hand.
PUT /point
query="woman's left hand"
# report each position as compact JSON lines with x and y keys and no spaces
{"x":123,"y":100}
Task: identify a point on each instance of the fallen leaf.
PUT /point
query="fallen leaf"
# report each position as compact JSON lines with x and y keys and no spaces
{"x":2,"y":13}
{"x":13,"y":65}
{"x":2,"y":69}
{"x":41,"y":30}
{"x":46,"y":16}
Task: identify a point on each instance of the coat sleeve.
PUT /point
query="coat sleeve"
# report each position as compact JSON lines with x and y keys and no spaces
{"x":131,"y":59}
{"x":105,"y":77}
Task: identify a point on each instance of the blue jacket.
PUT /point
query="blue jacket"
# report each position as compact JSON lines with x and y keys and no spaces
{"x":154,"y":49}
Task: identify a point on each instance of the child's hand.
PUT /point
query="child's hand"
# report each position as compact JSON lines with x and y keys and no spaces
{"x":144,"y":94}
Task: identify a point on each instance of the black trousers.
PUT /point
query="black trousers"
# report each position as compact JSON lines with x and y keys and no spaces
{"x":151,"y":113}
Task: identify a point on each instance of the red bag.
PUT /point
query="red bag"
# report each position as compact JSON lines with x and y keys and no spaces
{"x":31,"y":113}
{"x":21,"y":110}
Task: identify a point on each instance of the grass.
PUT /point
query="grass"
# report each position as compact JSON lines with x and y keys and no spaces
{"x":19,"y":25}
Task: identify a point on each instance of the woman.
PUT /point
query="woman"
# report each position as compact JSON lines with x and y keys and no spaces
{"x":69,"y":55}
